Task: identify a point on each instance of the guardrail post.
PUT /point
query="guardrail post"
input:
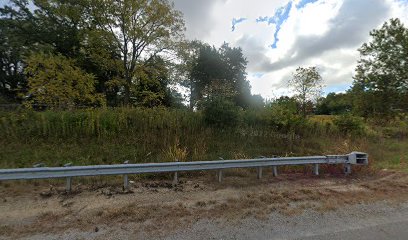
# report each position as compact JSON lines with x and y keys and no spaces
{"x":68,"y":185}
{"x":219,"y":175}
{"x":316,"y":169}
{"x":175,"y":179}
{"x":259,"y":172}
{"x":125,"y":179}
{"x":347,"y":168}
{"x":275,"y":171}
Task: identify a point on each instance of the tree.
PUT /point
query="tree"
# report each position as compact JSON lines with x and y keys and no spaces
{"x":137,"y":28}
{"x":236,"y":74}
{"x":55,"y":81}
{"x":153,"y":85}
{"x":334,"y":104}
{"x":14,"y":43}
{"x":381,"y":80}
{"x":52,"y":27}
{"x":219,"y":73}
{"x":307,"y":85}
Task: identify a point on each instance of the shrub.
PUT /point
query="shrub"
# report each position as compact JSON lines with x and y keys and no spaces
{"x":221,"y":113}
{"x":55,"y":81}
{"x":349,"y":124}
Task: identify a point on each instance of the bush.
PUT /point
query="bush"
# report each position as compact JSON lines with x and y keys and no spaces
{"x":349,"y":124}
{"x":221,"y":113}
{"x":284,"y":119}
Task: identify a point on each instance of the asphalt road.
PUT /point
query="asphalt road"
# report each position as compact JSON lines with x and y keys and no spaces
{"x":395,"y":230}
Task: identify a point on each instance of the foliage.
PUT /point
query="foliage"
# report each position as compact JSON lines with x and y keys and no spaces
{"x":105,"y":136}
{"x":221,"y":112}
{"x":55,"y":81}
{"x":111,"y":136}
{"x":218,"y":72}
{"x":307,"y":85}
{"x":348,"y":123}
{"x":334,"y":104}
{"x":136,"y":29}
{"x":381,"y":83}
{"x":284,"y":114}
{"x":13,"y":45}
{"x":153,"y":80}
{"x":86,"y":32}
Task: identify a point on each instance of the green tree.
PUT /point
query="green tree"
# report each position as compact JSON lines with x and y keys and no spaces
{"x":153,"y":85}
{"x":381,"y":80}
{"x":137,"y":28}
{"x":52,"y":27}
{"x":307,"y":85}
{"x":219,"y":73}
{"x":55,"y":81}
{"x":334,"y":104}
{"x":236,"y":74}
{"x":14,"y":43}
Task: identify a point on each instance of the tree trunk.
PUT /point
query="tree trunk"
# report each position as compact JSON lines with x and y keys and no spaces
{"x":126,"y":100}
{"x":304,"y":110}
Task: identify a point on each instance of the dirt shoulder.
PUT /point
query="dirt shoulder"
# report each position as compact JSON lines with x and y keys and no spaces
{"x":156,"y":209}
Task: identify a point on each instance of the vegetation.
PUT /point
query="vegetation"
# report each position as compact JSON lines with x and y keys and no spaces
{"x":307,"y":86}
{"x":108,"y":74}
{"x":381,"y":82}
{"x":106,"y":136}
{"x":55,"y":81}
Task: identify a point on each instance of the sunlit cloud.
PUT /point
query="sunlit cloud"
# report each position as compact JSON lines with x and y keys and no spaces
{"x":277,"y":36}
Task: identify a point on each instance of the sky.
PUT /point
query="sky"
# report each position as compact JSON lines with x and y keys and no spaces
{"x":277,"y":36}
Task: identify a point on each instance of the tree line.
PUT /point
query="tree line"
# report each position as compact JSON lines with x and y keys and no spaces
{"x":94,"y":52}
{"x":65,"y":54}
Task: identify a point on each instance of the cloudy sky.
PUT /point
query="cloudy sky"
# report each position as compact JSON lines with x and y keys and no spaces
{"x":279,"y":35}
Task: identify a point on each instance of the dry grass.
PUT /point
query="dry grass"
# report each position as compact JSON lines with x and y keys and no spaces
{"x":165,"y":209}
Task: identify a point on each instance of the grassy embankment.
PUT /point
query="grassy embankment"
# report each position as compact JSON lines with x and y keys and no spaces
{"x":106,"y":136}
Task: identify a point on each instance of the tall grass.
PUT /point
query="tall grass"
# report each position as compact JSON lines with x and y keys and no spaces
{"x":108,"y":136}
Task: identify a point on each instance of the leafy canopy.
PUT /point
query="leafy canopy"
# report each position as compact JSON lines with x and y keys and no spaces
{"x":307,"y":85}
{"x":381,"y":80}
{"x":138,"y":29}
{"x":55,"y":81}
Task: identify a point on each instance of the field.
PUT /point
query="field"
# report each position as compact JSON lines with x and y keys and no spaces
{"x":85,"y":137}
{"x":153,"y":207}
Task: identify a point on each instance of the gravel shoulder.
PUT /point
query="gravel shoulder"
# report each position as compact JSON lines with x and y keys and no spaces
{"x":293,"y":206}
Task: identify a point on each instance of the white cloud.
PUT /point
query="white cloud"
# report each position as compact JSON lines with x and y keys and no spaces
{"x":326,"y":33}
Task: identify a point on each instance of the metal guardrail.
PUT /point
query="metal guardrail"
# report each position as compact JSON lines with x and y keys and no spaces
{"x":354,"y":158}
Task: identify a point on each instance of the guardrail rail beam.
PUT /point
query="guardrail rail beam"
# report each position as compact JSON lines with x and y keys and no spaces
{"x":68,"y":171}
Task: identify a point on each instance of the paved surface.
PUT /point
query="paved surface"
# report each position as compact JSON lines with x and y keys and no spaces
{"x":395,"y":230}
{"x":363,"y":222}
